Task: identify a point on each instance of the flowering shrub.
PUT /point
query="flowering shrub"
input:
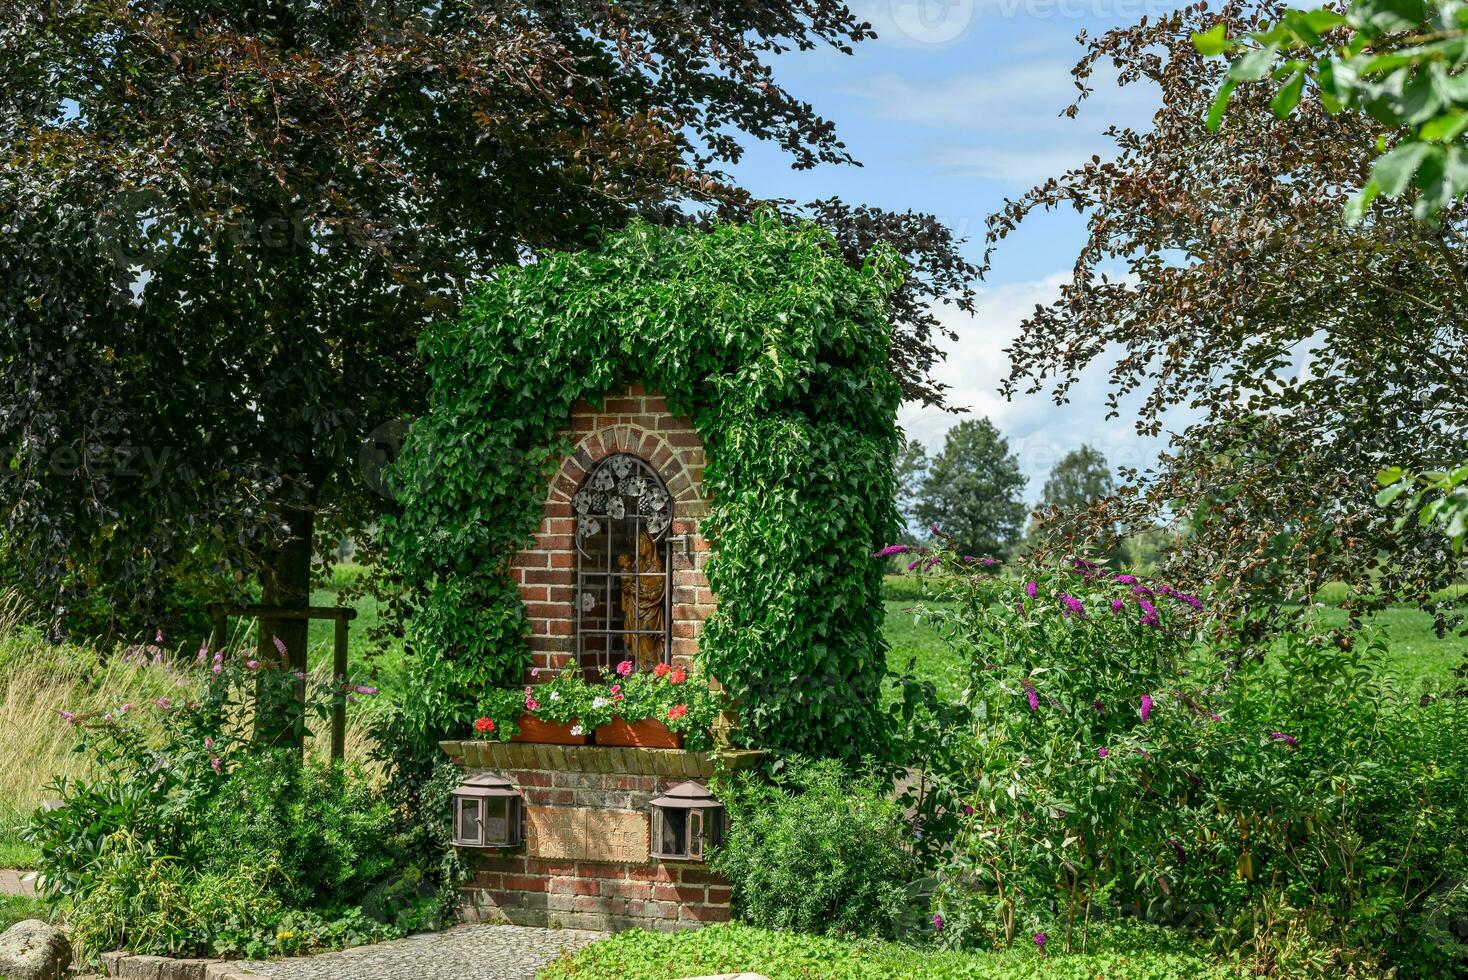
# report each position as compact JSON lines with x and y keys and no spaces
{"x":1299,"y":812}
{"x":680,"y":700}
{"x":196,"y":838}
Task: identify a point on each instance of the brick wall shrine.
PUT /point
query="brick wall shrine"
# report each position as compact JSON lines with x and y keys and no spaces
{"x":586,"y":859}
{"x":616,"y":569}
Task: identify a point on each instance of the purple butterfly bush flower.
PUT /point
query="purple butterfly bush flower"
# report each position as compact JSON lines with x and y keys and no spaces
{"x":1289,"y":740}
{"x":937,"y":922}
{"x":1019,"y":606}
{"x":912,"y":565}
{"x":68,"y":717}
{"x":364,"y":690}
{"x":1032,"y":589}
{"x":1142,"y":591}
{"x":1117,"y":605}
{"x":252,"y":665}
{"x":1033,"y":698}
{"x":279,"y":645}
{"x":1125,"y":579}
{"x":968,"y":559}
{"x":1040,"y":940}
{"x":1103,"y":752}
{"x":1177,"y":849}
{"x":890,"y":550}
{"x":1073,"y":606}
{"x":1146,"y":708}
{"x":934,"y":529}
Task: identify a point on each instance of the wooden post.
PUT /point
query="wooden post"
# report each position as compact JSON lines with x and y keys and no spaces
{"x":219,"y":634}
{"x":339,"y":677}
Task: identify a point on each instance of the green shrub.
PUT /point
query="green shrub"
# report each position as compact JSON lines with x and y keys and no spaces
{"x":1301,"y":813}
{"x":193,"y":838}
{"x":324,"y":831}
{"x":818,"y":852}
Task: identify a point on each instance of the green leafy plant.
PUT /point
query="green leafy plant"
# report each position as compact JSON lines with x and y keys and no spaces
{"x":1437,"y":496}
{"x":1399,"y":62}
{"x":195,"y":837}
{"x":1116,"y":756}
{"x":818,"y":852}
{"x":777,"y":350}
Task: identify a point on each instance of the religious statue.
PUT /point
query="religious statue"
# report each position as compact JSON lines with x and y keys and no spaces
{"x":642,"y":603}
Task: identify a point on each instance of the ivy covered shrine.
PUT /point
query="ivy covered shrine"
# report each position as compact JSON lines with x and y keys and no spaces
{"x":640,"y":514}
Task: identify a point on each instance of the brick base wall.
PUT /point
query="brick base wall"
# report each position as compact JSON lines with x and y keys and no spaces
{"x":586,"y":861}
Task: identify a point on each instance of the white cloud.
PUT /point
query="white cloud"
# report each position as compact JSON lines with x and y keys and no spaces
{"x":1038,"y":430}
{"x":1006,"y":124}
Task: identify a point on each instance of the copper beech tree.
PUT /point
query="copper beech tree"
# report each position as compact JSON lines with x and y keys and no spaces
{"x":1219,"y":276}
{"x":224,"y":225}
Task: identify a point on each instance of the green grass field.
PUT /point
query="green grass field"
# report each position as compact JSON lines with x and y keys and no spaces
{"x":1416,"y":654}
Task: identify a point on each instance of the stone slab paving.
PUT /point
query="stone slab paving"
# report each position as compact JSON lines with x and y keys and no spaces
{"x":16,"y":882}
{"x":469,"y":952}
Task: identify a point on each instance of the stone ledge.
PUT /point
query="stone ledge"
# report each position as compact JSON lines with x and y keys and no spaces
{"x":600,"y":758}
{"x":126,"y":966}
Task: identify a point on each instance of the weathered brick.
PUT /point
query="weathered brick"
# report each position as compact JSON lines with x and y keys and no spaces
{"x":678,"y":893}
{"x":574,"y":886}
{"x":703,"y":913}
{"x":526,"y":883}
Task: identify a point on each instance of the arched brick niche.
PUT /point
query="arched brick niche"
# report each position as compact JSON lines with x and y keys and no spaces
{"x":637,"y":422}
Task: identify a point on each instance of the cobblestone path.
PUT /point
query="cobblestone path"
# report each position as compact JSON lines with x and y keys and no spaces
{"x":471,"y":952}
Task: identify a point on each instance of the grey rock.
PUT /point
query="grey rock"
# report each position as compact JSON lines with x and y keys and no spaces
{"x":33,"y":950}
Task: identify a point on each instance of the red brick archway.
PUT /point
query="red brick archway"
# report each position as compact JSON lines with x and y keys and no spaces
{"x":629,"y":421}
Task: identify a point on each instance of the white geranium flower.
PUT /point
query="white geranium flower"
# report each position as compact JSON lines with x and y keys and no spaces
{"x":555,"y":695}
{"x":600,"y":703}
{"x":577,"y":730}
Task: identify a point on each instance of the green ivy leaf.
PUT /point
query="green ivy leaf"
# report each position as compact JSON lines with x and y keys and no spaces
{"x":1211,"y":43}
{"x":1392,"y":172}
{"x":1288,"y":96}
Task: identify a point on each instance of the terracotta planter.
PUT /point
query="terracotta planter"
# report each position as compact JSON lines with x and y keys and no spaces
{"x":649,"y":733}
{"x":532,"y":729}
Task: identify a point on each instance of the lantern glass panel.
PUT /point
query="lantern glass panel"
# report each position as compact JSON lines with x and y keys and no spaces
{"x":496,"y":820}
{"x":469,"y":830}
{"x":695,"y":834}
{"x":674,"y":832}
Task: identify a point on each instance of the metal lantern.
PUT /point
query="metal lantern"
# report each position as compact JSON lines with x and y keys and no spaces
{"x":685,"y":822}
{"x":487,"y":812}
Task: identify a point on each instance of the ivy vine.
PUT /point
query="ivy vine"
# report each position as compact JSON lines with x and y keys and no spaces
{"x":777,"y":350}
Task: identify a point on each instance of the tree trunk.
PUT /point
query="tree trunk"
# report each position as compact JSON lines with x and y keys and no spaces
{"x":287,"y":582}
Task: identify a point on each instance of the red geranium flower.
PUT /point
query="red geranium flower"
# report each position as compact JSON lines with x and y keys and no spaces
{"x":677,"y":711}
{"x":661,"y":670}
{"x":484,"y":725}
{"x":678,"y":676}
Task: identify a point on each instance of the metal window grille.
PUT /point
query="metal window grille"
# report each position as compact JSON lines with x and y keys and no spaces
{"x":623,"y":566}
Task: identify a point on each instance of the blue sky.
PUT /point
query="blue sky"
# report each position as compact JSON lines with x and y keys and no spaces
{"x":953,"y":109}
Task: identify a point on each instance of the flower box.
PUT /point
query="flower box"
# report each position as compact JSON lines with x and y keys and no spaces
{"x":533,"y":729}
{"x":649,"y":733}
